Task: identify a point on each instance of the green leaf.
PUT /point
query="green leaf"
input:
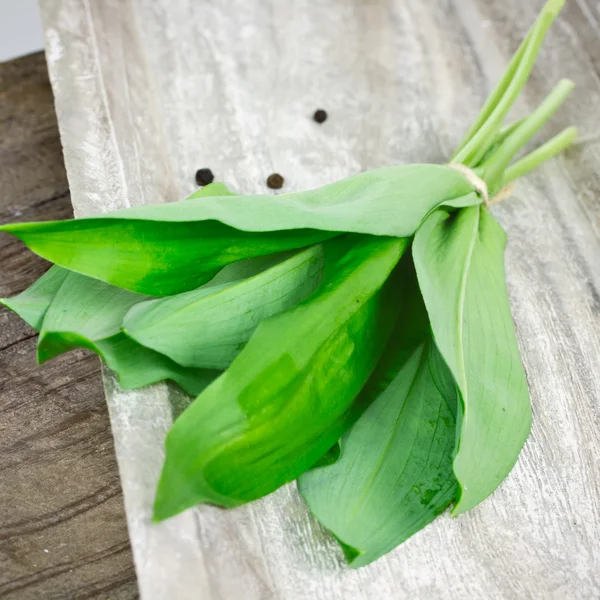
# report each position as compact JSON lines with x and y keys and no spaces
{"x":209,"y":326}
{"x":395,"y":472}
{"x":86,"y":313}
{"x":87,"y":307}
{"x":32,"y":304}
{"x":165,"y":249}
{"x":459,"y":259}
{"x":134,"y":366}
{"x":283,"y":401}
{"x":386,"y":201}
{"x":217,"y":188}
{"x":158,"y":258}
{"x":246,"y":268}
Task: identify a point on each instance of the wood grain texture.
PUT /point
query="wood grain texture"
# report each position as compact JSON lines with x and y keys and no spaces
{"x":62,"y":527}
{"x":147,"y":92}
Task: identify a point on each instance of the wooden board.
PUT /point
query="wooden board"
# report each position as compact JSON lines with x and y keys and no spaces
{"x":62,"y":524}
{"x":148,"y":91}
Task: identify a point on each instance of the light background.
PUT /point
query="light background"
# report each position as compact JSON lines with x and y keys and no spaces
{"x":20,"y":28}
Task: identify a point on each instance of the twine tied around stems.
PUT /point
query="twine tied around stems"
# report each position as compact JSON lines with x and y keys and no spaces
{"x":481,"y":187}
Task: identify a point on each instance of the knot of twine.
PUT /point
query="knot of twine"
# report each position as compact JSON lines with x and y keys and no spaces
{"x":480,"y":185}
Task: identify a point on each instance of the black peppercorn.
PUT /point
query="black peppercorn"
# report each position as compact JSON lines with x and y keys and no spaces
{"x":204,"y":176}
{"x":275,"y":181}
{"x":320,"y":116}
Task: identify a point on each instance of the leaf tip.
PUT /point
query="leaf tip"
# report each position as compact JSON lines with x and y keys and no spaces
{"x":351,"y":554}
{"x":174,"y":493}
{"x":43,"y":352}
{"x":162,"y":508}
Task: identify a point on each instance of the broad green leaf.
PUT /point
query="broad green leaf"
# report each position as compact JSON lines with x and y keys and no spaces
{"x":459,"y":259}
{"x":159,"y":258}
{"x":395,"y":471}
{"x":32,"y":304}
{"x":282,"y":403}
{"x":386,"y":201}
{"x":88,"y":313}
{"x":165,"y":249}
{"x":209,"y":326}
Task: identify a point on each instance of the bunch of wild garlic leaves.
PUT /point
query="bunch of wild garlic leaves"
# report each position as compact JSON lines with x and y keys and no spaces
{"x":357,"y":337}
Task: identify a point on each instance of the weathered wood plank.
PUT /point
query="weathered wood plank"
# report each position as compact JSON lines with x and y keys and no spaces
{"x":149,"y":91}
{"x":62,"y":527}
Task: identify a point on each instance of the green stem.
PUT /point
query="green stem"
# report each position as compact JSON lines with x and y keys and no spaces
{"x":500,"y":137}
{"x":496,"y":95}
{"x":540,"y":155}
{"x":480,"y":142}
{"x":508,"y":129}
{"x":495,"y":165}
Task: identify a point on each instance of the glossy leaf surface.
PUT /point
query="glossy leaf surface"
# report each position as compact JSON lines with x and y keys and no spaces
{"x":281,"y":404}
{"x":159,"y":258}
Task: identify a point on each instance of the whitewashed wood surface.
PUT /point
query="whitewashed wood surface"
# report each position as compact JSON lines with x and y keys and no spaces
{"x":148,"y":91}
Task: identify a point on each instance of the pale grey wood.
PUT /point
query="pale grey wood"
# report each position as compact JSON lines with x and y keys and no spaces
{"x":148,"y":91}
